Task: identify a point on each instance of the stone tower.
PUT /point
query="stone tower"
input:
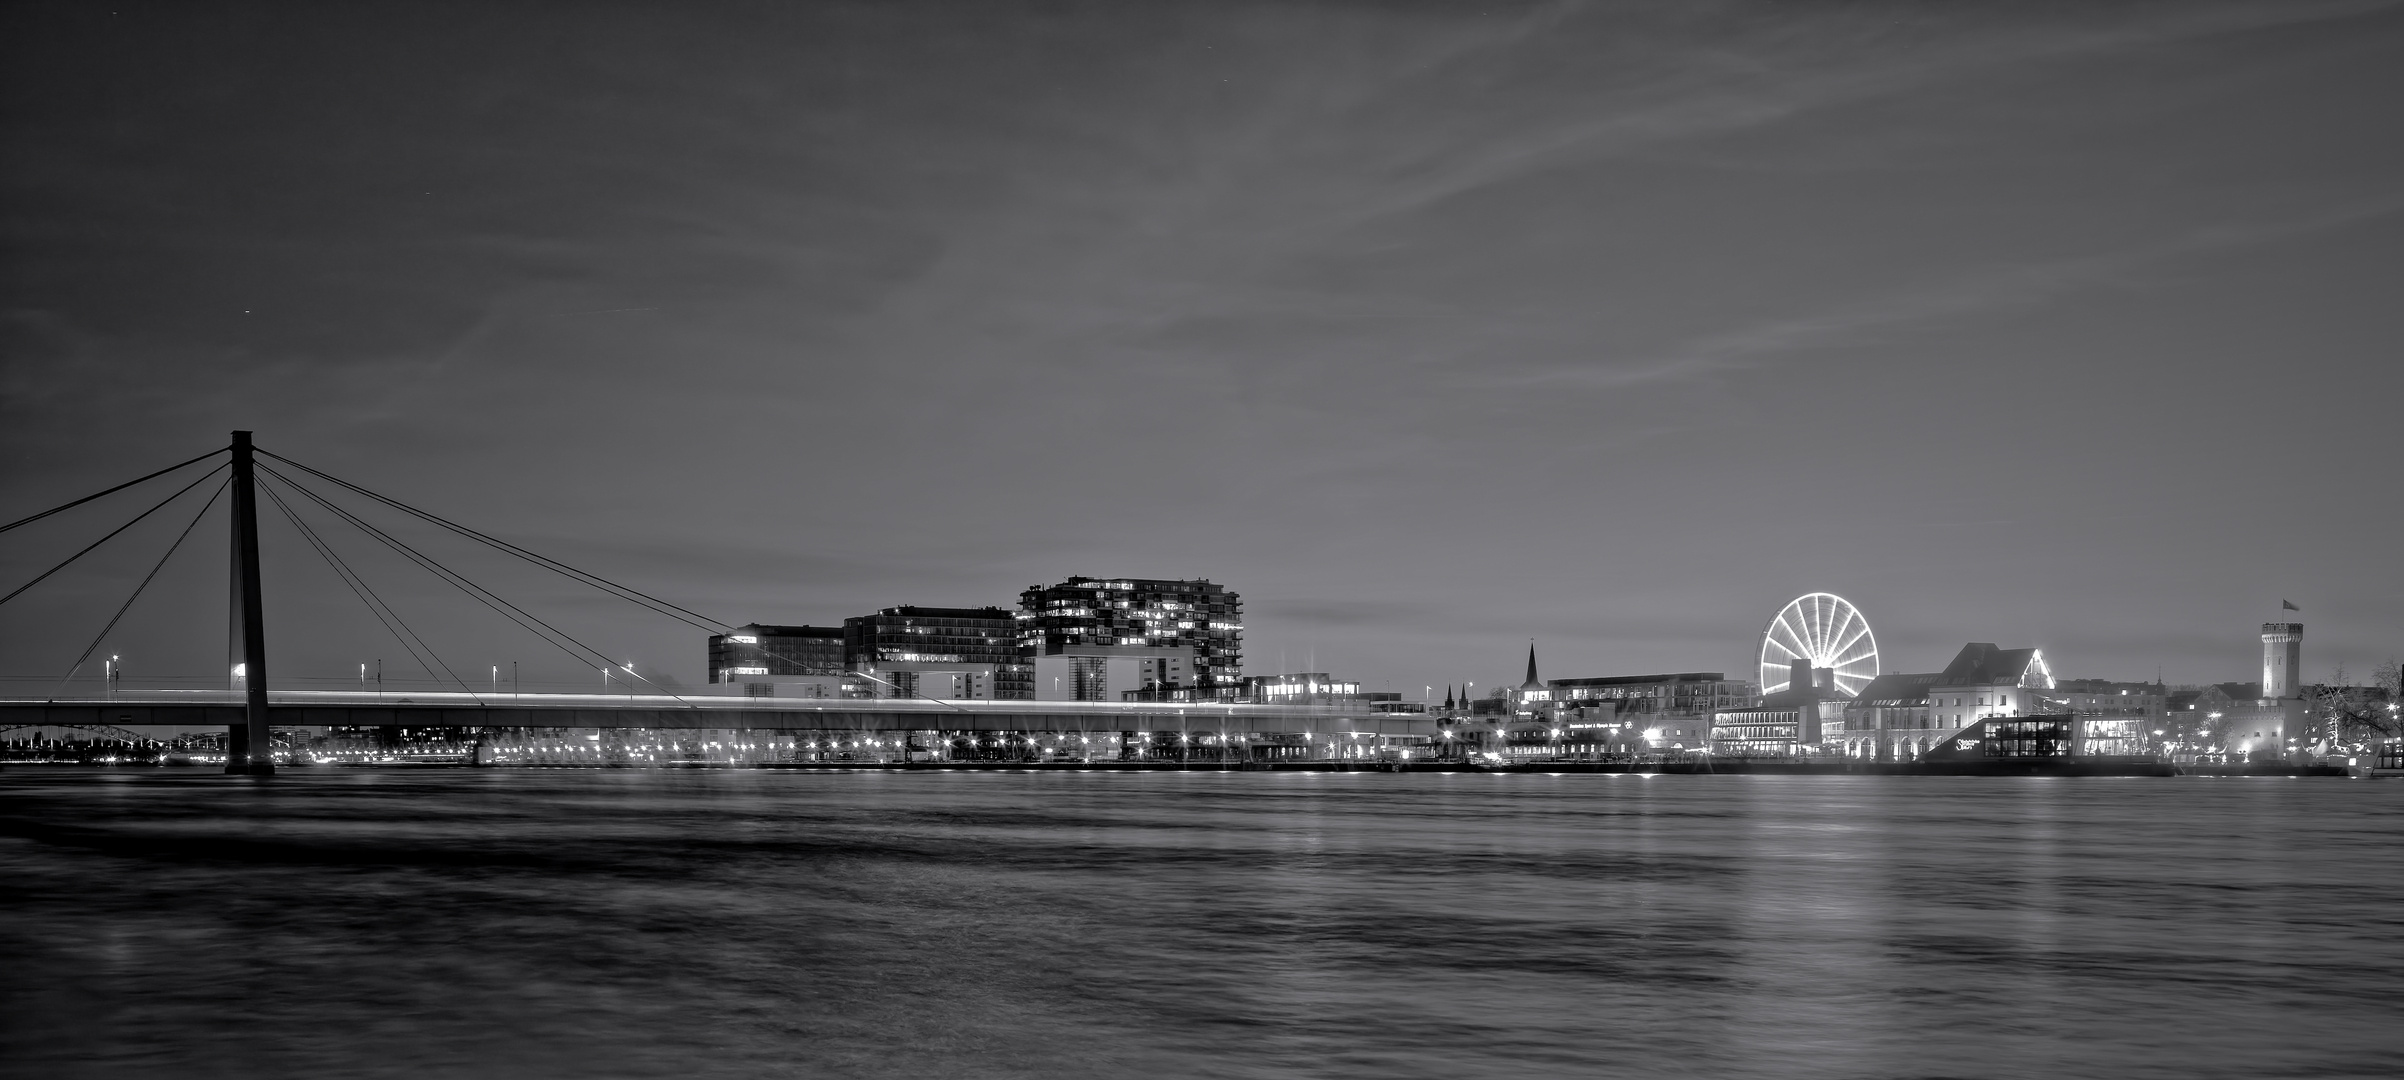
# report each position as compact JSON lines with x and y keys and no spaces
{"x":2282,"y":660}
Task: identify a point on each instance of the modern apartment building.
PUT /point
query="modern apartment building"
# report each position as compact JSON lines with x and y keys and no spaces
{"x":1174,"y":639}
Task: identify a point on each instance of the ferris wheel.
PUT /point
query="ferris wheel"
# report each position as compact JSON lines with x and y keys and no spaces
{"x":1825,"y":629}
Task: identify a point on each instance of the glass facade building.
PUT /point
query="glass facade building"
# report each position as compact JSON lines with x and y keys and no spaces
{"x":1684,"y":694}
{"x":1191,"y":632}
{"x":891,"y":652}
{"x":765,"y":651}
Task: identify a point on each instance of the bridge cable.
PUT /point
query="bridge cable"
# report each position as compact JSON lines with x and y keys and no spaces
{"x":111,"y":491}
{"x":554,"y":635}
{"x":483,"y":595}
{"x":112,"y":535}
{"x":367,"y":595}
{"x":663,"y":607}
{"x":137,"y":594}
{"x":376,"y":605}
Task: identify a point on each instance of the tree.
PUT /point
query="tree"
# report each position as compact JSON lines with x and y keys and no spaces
{"x":2347,"y":713}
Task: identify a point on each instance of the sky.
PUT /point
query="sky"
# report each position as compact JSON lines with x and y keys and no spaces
{"x":1431,"y":329}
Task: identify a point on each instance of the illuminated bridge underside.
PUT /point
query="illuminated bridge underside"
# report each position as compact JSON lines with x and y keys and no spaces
{"x":716,"y":715}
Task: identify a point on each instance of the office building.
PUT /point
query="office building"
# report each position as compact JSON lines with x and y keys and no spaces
{"x":1179,"y":640}
{"x":764,"y":650}
{"x":967,"y":653}
{"x":772,"y":660}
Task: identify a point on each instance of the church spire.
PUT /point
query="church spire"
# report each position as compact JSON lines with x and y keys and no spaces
{"x":1533,"y":683}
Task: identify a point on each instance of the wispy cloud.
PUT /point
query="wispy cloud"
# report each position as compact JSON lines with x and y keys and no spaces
{"x":1976,"y":294}
{"x":1777,"y":68}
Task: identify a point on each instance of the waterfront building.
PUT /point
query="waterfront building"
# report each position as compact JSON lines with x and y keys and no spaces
{"x":2266,"y":727}
{"x":1176,"y":639}
{"x":1595,"y":729}
{"x":1984,"y":681}
{"x":1889,"y":720}
{"x":968,"y":653}
{"x":2003,"y":738}
{"x":1786,"y":723}
{"x":1678,"y":695}
{"x":2114,"y":719}
{"x":2246,"y":721}
{"x":1299,"y":688}
{"x":1661,"y":712}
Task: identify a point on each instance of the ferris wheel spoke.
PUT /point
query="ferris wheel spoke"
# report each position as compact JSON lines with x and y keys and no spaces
{"x":1847,"y":624}
{"x":1831,"y":622}
{"x":1825,"y":630}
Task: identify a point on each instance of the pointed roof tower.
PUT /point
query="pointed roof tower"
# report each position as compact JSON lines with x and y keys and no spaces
{"x":1448,"y":705}
{"x":1533,"y":682}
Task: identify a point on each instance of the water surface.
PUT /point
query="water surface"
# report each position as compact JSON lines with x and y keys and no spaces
{"x":762,"y":923}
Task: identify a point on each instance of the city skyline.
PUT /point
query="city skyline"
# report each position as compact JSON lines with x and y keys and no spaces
{"x":1428,"y":331}
{"x":1313,"y":538}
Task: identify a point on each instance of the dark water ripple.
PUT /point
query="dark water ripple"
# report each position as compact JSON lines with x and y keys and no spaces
{"x":643,"y":924}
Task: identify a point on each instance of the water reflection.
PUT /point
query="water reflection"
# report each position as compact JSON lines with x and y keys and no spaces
{"x":744,"y":923}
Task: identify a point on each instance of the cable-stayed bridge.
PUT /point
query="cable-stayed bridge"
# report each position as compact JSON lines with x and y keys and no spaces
{"x":319,"y":708}
{"x":252,"y":710}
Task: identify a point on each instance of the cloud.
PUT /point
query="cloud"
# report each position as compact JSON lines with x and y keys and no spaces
{"x":1770,"y":70}
{"x":1992,"y":290}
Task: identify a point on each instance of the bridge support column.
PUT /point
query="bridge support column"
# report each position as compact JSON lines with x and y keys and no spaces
{"x":249,"y":748}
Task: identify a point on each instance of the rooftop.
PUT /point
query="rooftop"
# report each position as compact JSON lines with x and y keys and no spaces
{"x":1898,"y":688}
{"x":1980,"y":663}
{"x":1640,"y":680}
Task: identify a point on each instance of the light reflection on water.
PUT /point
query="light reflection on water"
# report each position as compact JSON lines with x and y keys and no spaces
{"x":634,"y":923}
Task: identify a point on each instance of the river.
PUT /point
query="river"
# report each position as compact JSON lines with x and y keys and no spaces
{"x":636,"y":923}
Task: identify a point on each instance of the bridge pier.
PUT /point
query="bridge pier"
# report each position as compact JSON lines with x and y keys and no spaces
{"x":249,"y":748}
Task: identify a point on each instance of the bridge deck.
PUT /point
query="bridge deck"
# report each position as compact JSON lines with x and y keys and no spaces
{"x":192,"y":709}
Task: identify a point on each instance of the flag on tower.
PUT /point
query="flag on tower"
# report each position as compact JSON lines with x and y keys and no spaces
{"x":2288,"y":605}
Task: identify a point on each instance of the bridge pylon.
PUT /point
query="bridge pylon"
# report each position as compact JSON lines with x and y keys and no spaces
{"x":248,"y":747}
